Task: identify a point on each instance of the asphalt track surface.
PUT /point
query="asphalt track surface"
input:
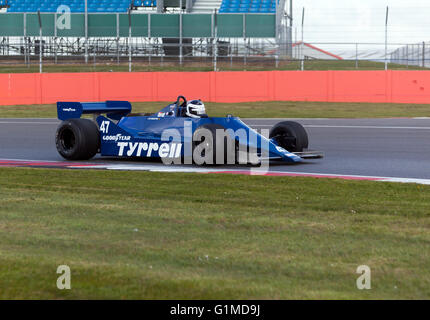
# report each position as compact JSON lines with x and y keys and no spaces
{"x":371,"y":147}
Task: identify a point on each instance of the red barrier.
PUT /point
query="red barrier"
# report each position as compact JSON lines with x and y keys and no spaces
{"x":330,"y":86}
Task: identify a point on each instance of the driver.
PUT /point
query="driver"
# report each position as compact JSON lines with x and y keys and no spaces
{"x":196,"y":109}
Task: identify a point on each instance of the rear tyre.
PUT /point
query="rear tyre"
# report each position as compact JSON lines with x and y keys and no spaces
{"x":290,"y":135}
{"x":77,"y":139}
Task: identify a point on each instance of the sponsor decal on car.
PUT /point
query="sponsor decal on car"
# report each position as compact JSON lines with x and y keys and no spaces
{"x":69,"y":110}
{"x":151,"y":149}
{"x":118,"y":137}
{"x":280,"y":149}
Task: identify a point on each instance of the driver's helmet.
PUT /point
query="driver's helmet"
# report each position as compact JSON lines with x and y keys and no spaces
{"x":196,"y":109}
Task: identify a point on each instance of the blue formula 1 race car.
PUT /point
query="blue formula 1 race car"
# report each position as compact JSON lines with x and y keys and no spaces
{"x":179,"y":133}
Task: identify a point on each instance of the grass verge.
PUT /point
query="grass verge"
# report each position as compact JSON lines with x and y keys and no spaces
{"x":252,"y":64}
{"x":195,"y":236}
{"x":270,"y":109}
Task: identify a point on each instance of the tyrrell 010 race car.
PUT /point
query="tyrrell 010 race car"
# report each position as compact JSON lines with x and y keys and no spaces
{"x":179,"y":133}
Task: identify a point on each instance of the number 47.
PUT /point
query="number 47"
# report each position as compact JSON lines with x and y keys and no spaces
{"x":104,"y":127}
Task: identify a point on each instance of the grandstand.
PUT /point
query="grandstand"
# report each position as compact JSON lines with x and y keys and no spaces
{"x":248,"y":6}
{"x":155,"y":28}
{"x":76,"y":6}
{"x":107,"y":6}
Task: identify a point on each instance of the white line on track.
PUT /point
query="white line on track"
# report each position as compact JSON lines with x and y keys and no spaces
{"x":28,"y":119}
{"x":162,"y":168}
{"x":26,"y":122}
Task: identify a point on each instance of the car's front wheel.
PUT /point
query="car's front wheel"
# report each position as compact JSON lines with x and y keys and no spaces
{"x":77,"y":139}
{"x":290,"y":135}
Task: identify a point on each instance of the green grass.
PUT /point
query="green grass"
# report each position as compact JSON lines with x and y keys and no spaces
{"x":271,"y":109}
{"x":346,"y":65}
{"x":99,"y":67}
{"x":195,"y":236}
{"x":238,"y":65}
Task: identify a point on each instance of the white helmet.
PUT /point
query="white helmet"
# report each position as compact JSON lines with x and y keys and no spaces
{"x":195,"y":109}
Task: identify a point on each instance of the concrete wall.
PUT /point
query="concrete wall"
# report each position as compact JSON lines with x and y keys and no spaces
{"x":329,"y":86}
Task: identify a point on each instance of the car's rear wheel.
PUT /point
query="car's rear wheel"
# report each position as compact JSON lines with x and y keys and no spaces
{"x":290,"y":135}
{"x":77,"y":139}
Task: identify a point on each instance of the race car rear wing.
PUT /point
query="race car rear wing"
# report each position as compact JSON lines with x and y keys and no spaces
{"x":72,"y":110}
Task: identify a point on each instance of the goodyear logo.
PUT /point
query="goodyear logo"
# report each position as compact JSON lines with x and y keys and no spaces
{"x":118,"y":137}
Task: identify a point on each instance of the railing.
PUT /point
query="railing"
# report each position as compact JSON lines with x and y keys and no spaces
{"x":113,"y":54}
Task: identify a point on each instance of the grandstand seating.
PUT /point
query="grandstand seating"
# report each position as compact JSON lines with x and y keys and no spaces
{"x":77,"y":5}
{"x":248,"y":6}
{"x":227,"y":6}
{"x":145,"y":3}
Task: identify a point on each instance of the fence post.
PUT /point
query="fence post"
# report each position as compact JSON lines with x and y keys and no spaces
{"x":424,"y":53}
{"x":129,"y":40}
{"x":231,"y":54}
{"x":302,"y":56}
{"x":86,"y":31}
{"x":25,"y":39}
{"x":55,"y":36}
{"x":117,"y":38}
{"x":214,"y":37}
{"x":149,"y":38}
{"x":356,"y":56}
{"x":40,"y":42}
{"x":180,"y":34}
{"x":386,"y":39}
{"x":244,"y":40}
{"x":407,"y":56}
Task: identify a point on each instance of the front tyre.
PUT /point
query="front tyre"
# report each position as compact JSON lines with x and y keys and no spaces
{"x":77,"y":139}
{"x":290,"y":135}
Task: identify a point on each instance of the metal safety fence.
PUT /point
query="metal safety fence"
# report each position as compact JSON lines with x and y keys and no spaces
{"x":143,"y":53}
